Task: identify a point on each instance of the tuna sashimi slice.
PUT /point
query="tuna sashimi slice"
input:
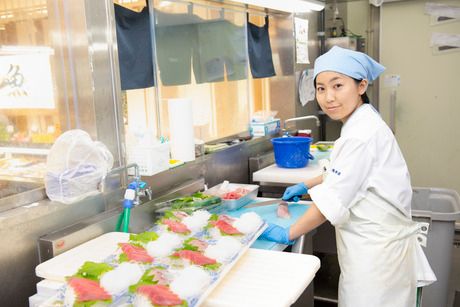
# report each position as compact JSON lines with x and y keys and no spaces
{"x":194,"y":257}
{"x":175,"y":226}
{"x":159,"y":276}
{"x":283,"y":211}
{"x":200,"y":245}
{"x":226,"y":218}
{"x":88,"y":290}
{"x":226,"y":228}
{"x":159,"y":295}
{"x":135,"y":253}
{"x":180,"y":214}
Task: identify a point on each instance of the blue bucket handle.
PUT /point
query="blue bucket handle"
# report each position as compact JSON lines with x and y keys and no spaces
{"x":310,"y":156}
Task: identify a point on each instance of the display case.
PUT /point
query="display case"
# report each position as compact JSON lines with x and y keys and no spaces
{"x":29,"y":116}
{"x":58,"y":71}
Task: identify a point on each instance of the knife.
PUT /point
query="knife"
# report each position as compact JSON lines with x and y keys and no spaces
{"x":267,"y":203}
{"x":273,"y":202}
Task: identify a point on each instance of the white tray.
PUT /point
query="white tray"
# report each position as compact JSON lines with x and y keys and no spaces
{"x":68,"y":263}
{"x":102,"y":247}
{"x":261,"y":278}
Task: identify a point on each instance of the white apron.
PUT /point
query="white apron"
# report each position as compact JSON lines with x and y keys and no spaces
{"x":381,"y":261}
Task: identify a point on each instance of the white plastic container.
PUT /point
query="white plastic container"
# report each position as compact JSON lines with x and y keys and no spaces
{"x":265,"y":128}
{"x":151,"y":159}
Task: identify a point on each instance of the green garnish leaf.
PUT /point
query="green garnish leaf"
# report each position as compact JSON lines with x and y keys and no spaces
{"x":146,"y":279}
{"x":212,"y":267}
{"x":169,"y":215}
{"x":189,"y":246}
{"x":144,"y":237}
{"x":90,"y":303}
{"x":123,"y":258}
{"x":93,"y":270}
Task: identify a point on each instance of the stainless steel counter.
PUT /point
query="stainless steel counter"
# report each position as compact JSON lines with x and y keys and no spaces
{"x":22,"y":227}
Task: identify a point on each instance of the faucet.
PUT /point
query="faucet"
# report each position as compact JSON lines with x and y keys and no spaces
{"x":140,"y":187}
{"x":318,"y":123}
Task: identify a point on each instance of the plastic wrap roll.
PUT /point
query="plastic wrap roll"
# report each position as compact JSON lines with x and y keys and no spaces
{"x":181,"y":129}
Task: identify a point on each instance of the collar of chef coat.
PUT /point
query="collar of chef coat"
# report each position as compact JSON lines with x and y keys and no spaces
{"x":358,"y":114}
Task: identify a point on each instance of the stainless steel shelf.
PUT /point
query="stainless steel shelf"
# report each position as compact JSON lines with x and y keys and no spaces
{"x":25,"y":150}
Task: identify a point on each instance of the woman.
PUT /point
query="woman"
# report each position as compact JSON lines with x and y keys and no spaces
{"x":366,"y":193}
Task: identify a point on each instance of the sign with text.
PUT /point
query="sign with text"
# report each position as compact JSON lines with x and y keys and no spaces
{"x":26,"y":81}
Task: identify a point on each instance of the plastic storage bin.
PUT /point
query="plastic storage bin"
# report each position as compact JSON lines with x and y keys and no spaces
{"x":234,"y":204}
{"x":150,"y":159}
{"x":441,"y":208}
{"x":292,"y":152}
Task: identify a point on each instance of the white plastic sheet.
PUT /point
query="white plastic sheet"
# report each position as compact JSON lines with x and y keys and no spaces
{"x":75,"y":166}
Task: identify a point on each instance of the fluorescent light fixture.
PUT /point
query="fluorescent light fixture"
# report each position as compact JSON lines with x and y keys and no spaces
{"x":290,"y":6}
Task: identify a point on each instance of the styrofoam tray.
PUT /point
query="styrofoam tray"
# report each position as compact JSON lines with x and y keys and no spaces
{"x":260,"y":278}
{"x":106,"y":245}
{"x":68,"y":263}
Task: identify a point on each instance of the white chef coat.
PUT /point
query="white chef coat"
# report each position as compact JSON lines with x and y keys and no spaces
{"x":366,"y":156}
{"x":367,"y":196}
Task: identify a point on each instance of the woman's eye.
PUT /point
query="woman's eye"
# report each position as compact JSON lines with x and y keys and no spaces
{"x":338,"y":85}
{"x":319,"y":89}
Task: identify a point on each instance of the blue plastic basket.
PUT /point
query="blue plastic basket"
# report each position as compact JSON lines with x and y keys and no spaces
{"x":292,"y":152}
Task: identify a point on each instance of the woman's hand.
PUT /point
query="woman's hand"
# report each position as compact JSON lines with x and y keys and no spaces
{"x":276,"y":234}
{"x":293,"y":193}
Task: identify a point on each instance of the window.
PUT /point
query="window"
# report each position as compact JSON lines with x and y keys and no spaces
{"x":200,"y":53}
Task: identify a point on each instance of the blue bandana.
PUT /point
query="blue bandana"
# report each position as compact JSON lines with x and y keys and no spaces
{"x":348,"y":62}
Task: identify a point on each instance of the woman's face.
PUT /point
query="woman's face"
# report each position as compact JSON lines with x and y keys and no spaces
{"x":338,"y":95}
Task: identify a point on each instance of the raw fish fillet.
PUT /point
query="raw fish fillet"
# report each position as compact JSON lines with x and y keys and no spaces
{"x":159,"y":276}
{"x":88,"y":290}
{"x":283,"y":211}
{"x":159,"y":295}
{"x":226,"y":228}
{"x":226,"y":218}
{"x":176,"y":227}
{"x":194,"y":257}
{"x":180,"y":214}
{"x":200,"y":245}
{"x":136,"y":253}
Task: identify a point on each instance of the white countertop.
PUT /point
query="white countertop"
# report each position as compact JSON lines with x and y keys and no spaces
{"x":275,"y":174}
{"x":263,"y":278}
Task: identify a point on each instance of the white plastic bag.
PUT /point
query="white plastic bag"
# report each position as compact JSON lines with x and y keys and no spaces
{"x":75,"y":167}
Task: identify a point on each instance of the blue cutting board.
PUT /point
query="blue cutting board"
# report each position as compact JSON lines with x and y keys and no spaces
{"x":268,"y":213}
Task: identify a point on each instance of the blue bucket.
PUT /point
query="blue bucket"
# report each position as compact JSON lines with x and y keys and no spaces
{"x":292,"y":152}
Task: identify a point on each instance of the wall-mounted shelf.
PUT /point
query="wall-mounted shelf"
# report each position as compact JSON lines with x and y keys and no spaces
{"x":25,"y":150}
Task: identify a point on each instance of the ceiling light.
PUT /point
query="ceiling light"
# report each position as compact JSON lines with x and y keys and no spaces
{"x":290,"y":6}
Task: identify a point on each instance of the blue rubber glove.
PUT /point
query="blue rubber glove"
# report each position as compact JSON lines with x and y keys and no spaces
{"x":276,"y":234}
{"x":293,"y":193}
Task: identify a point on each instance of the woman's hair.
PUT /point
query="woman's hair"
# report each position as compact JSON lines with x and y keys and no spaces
{"x":363,"y":96}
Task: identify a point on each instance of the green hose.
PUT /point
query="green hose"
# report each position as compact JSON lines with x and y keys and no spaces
{"x":120,"y":219}
{"x":419,"y":297}
{"x":126,"y":213}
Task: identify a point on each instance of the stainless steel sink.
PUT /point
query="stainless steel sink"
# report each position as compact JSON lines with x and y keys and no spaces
{"x":14,"y":194}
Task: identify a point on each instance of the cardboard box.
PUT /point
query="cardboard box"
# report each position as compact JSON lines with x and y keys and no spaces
{"x":267,"y":128}
{"x":150,"y":159}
